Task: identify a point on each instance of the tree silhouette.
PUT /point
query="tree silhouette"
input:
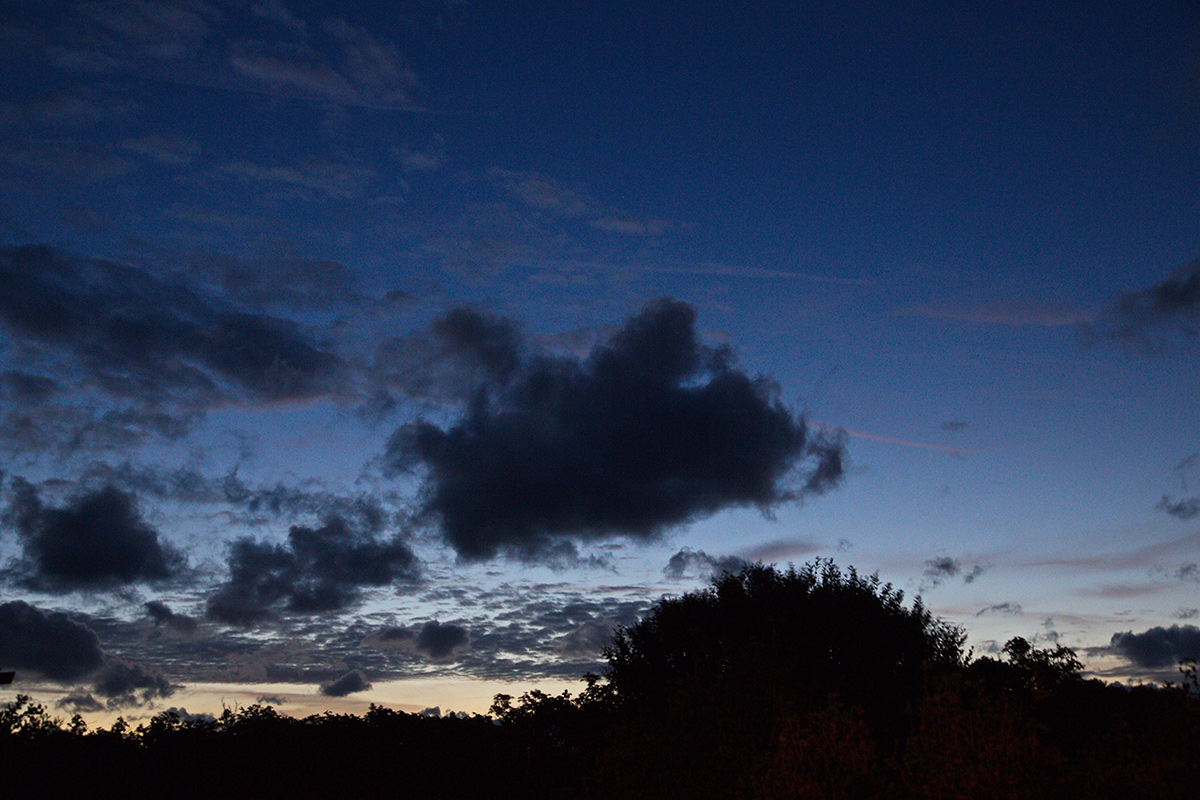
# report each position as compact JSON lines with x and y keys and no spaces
{"x":801,"y":634}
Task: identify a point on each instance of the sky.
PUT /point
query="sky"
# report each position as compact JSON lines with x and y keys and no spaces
{"x":395,"y":353}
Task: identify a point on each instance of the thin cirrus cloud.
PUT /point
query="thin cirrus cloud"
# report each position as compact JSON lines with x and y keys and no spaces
{"x":999,"y":312}
{"x":651,"y":430}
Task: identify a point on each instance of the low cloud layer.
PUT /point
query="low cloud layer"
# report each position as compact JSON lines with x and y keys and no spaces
{"x":97,"y":541}
{"x":652,"y":430}
{"x":48,"y":643}
{"x":1159,"y":647}
{"x":318,"y":570}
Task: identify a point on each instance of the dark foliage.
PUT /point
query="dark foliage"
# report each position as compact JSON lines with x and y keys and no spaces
{"x":809,"y":683}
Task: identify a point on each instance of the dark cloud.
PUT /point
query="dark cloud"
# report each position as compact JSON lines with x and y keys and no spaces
{"x":1155,"y":318}
{"x":46,"y":642}
{"x":1000,"y":608}
{"x":441,"y":642}
{"x":317,"y":570}
{"x":288,"y":283}
{"x":352,"y":681}
{"x":162,"y":614}
{"x":587,"y":641}
{"x":1188,"y":572}
{"x":80,"y":702}
{"x":460,"y":351}
{"x":1185,"y":508}
{"x":186,"y":484}
{"x":938,"y":570}
{"x":97,"y":541}
{"x":955,"y":425}
{"x":26,"y":388}
{"x":149,"y":339}
{"x":127,"y":684}
{"x":701,"y":564}
{"x":651,"y":430}
{"x":1159,"y":647}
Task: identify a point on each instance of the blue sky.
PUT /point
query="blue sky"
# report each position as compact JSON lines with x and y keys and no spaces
{"x":427,"y":343}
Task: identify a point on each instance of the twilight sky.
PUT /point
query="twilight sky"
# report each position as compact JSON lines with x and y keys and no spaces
{"x":393,"y":352}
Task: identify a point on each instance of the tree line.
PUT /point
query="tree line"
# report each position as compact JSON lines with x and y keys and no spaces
{"x":797,"y":683}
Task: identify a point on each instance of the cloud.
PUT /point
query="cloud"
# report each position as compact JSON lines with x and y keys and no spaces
{"x":1185,"y":508}
{"x":127,"y":684}
{"x":318,"y":570}
{"x":1000,"y":608}
{"x":701,"y":563}
{"x":955,"y":425}
{"x":26,"y":388}
{"x":441,"y":642}
{"x":460,"y":351}
{"x":290,"y":283}
{"x":352,"y":67}
{"x":353,"y":681}
{"x":1189,"y":572}
{"x":1158,"y":647}
{"x":162,"y":30}
{"x":651,"y":430}
{"x":543,"y":193}
{"x":98,"y":541}
{"x":787,"y":549}
{"x":938,"y":570}
{"x":151,"y":340}
{"x":1153,"y":319}
{"x":162,"y":614}
{"x":49,"y":643}
{"x":80,"y":702}
{"x":188,"y":485}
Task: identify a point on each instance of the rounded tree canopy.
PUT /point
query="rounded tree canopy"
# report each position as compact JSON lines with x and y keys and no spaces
{"x":768,"y":636}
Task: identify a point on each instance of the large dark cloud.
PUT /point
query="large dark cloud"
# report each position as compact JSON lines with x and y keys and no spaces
{"x":151,"y":341}
{"x":1157,"y":317}
{"x":317,"y":570}
{"x":98,"y":541}
{"x":49,"y":643}
{"x":653,"y":429}
{"x":1159,"y":647}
